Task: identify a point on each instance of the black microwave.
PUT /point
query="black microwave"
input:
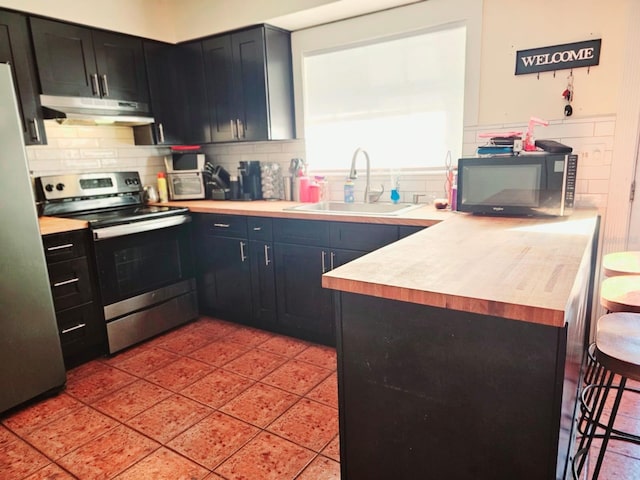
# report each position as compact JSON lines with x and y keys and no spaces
{"x":524,"y":185}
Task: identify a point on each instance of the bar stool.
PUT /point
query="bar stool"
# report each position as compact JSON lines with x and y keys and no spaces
{"x":621,"y":263}
{"x":617,"y":294}
{"x":617,"y":351}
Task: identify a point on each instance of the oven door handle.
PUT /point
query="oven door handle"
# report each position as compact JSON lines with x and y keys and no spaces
{"x":138,"y":227}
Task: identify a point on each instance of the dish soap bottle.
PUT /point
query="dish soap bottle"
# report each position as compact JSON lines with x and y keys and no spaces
{"x":163,"y":193}
{"x":349,"y":191}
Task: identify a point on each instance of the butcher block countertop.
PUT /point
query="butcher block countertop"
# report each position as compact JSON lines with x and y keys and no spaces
{"x":421,"y":217}
{"x":50,"y":225}
{"x":515,"y":268}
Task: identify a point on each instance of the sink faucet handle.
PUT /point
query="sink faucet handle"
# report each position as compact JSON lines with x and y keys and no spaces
{"x":416,"y":197}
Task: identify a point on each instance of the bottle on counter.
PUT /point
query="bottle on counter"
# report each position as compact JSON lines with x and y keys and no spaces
{"x":163,"y":192}
{"x":349,"y":191}
{"x":234,"y":187}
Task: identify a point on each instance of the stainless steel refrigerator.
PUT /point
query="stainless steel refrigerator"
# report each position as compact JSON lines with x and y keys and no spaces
{"x":30,"y":355}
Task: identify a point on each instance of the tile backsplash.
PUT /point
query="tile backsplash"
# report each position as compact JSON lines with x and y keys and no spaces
{"x":107,"y":148}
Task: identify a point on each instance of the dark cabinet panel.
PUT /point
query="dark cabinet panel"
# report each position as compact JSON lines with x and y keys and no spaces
{"x":65,"y":58}
{"x":304,"y":232}
{"x":166,"y":91}
{"x":225,"y":283}
{"x":80,"y":62}
{"x":250,"y":86}
{"x":263,"y":284}
{"x":74,"y":290}
{"x":16,"y":51}
{"x":406,"y":230}
{"x":362,"y":236}
{"x":241,"y":86}
{"x":304,"y":307}
{"x":218,"y":65}
{"x":197,"y":126}
{"x":121,"y":68}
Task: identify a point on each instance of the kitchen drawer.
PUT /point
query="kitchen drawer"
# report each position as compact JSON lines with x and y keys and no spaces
{"x":301,"y":232}
{"x":222,"y":225}
{"x":260,"y":228}
{"x":362,"y":236}
{"x":79,"y":328}
{"x":64,"y":246}
{"x":70,"y":283}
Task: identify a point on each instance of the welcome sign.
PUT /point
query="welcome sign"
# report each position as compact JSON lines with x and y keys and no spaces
{"x":558,"y":57}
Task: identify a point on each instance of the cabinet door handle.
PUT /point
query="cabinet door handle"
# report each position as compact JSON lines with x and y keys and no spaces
{"x":257,"y":229}
{"x":59,"y":247}
{"x":234,"y":129}
{"x":240,"y":127}
{"x":221,"y":225}
{"x":243,"y":257}
{"x":332,"y":257}
{"x":66,"y":282}
{"x":161,"y":130}
{"x":71,"y":329}
{"x":36,"y":131}
{"x":94,"y":84}
{"x":324,"y":254}
{"x":105,"y":86}
{"x":266,"y":255}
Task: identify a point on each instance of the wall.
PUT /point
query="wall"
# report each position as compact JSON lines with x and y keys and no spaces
{"x":79,"y":149}
{"x":511,"y":26}
{"x":146,"y":18}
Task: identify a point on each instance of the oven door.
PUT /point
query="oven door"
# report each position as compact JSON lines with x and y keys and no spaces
{"x":136,"y":260}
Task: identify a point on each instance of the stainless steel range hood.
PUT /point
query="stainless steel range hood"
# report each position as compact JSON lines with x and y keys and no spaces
{"x":95,"y":111}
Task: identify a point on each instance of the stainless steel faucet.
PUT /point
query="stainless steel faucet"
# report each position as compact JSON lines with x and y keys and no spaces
{"x":369,"y":196}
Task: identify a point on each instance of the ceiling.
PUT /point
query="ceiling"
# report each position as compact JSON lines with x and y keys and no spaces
{"x":334,"y":11}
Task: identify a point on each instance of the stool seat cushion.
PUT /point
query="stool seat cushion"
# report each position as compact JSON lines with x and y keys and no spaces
{"x":618,"y":336}
{"x":621,"y":294}
{"x":621,"y":263}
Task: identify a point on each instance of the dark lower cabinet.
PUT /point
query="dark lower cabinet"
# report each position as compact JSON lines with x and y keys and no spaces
{"x":15,"y":49}
{"x":224,"y":284}
{"x":74,"y":290}
{"x":268,"y":272}
{"x":304,"y":307}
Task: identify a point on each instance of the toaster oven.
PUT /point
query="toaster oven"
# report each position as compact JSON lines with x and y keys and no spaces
{"x":186,"y":186}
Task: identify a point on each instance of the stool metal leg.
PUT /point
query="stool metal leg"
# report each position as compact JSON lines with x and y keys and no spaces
{"x":593,"y":421}
{"x":607,"y":434}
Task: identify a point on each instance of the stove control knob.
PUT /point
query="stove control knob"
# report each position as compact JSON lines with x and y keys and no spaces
{"x":136,"y":181}
{"x":127,"y":181}
{"x":48,"y":187}
{"x":60,"y":187}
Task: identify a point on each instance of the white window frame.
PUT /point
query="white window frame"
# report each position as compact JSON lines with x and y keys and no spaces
{"x":390,"y":24}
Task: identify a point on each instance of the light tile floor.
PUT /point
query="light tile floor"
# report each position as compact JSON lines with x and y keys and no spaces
{"x":211,"y":400}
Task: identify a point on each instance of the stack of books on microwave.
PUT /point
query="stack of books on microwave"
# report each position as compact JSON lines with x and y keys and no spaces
{"x":501,"y":144}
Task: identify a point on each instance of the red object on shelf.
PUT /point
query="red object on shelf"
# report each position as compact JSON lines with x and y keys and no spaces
{"x":185,"y":148}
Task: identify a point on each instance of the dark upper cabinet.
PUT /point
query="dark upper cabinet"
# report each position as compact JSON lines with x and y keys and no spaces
{"x":15,"y":50}
{"x":240,"y":86}
{"x":197,"y":124}
{"x":81,"y":62}
{"x":166,"y":90}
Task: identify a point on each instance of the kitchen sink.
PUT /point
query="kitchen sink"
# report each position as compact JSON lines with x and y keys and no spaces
{"x":355,"y":208}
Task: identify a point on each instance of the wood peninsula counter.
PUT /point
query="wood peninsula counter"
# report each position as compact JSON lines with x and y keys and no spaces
{"x":459,"y":349}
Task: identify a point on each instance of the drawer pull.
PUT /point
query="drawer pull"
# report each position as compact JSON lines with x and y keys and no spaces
{"x":71,"y":329}
{"x":221,"y":225}
{"x":59,"y":247}
{"x":257,"y":229}
{"x":67,"y":282}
